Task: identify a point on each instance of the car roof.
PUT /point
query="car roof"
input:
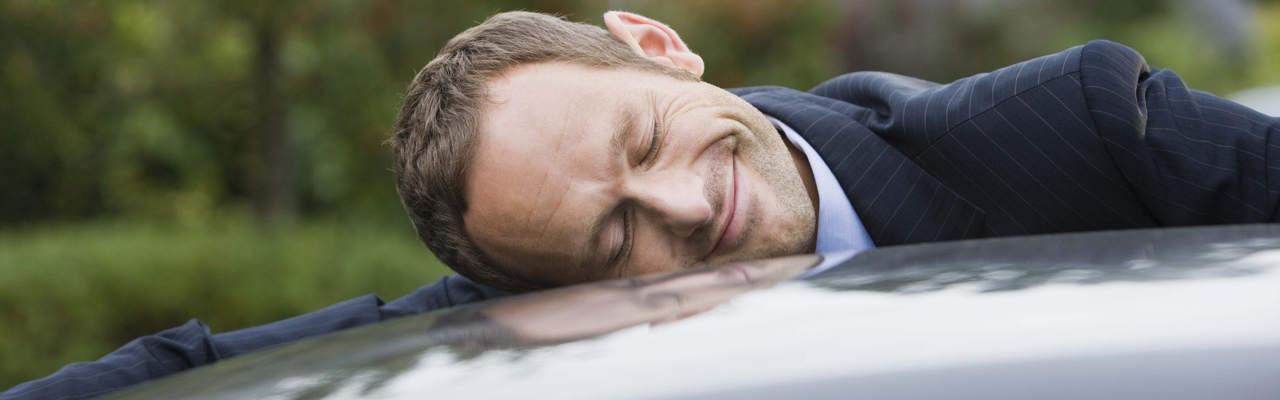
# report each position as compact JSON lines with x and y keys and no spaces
{"x":1162,"y":313}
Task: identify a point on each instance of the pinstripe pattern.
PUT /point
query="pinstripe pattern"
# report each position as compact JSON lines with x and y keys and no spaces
{"x":1200,"y":159}
{"x":192,"y":345}
{"x":1086,"y":139}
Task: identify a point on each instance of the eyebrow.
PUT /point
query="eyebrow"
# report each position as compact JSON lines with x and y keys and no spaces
{"x":624,"y":127}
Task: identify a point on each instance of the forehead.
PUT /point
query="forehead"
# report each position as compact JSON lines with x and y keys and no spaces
{"x":540,"y":171}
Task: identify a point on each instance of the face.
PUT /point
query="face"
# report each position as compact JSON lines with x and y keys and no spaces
{"x":586,"y":174}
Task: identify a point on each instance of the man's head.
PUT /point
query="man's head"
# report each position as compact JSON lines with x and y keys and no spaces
{"x":537,"y":152}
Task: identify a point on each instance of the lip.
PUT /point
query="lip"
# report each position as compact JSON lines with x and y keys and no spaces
{"x":733,"y":224}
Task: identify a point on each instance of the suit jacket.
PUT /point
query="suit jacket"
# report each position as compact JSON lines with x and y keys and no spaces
{"x":1087,"y":139}
{"x":192,"y":345}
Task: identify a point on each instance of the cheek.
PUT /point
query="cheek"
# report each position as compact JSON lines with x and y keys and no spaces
{"x":767,"y":199}
{"x":766,"y":140}
{"x":783,"y":200}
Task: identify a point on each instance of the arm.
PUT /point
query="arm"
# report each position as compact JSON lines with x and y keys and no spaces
{"x":192,"y":345}
{"x":1086,"y":139}
{"x":1193,"y":157}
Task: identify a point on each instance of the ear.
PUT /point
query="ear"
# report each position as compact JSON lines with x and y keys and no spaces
{"x":653,"y":40}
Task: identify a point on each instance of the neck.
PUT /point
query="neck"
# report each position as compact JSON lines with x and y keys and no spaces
{"x":806,"y":176}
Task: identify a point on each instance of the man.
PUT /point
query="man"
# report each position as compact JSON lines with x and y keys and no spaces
{"x":535,"y":153}
{"x":529,"y":161}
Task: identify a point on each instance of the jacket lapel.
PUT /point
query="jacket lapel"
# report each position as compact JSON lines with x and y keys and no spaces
{"x":897,"y":201}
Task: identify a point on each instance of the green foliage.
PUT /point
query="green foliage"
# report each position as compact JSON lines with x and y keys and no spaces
{"x":74,"y":293}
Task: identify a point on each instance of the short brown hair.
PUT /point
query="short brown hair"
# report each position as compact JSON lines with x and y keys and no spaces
{"x":435,"y":132}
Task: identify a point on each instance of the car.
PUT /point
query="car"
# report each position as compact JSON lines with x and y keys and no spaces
{"x":1174,"y":313}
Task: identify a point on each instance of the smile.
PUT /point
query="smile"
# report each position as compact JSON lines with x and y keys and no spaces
{"x":736,"y":211}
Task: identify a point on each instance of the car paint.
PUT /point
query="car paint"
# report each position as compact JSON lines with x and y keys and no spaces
{"x":1143,"y":314}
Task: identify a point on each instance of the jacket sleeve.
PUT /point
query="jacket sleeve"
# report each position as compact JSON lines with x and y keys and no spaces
{"x":1018,"y":143}
{"x":1193,"y":158}
{"x":193,"y":345}
{"x":1087,"y":139}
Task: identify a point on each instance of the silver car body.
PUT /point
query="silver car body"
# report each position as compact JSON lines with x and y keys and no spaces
{"x":1190,"y":313}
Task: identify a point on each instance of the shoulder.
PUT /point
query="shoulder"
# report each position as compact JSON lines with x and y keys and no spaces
{"x":1111,"y":73}
{"x":1111,"y":80}
{"x":1105,"y":54}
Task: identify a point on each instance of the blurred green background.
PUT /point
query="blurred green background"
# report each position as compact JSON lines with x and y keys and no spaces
{"x":224,"y":160}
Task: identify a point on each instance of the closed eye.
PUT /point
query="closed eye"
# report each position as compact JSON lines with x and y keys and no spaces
{"x":619,"y":260}
{"x":655,"y":142}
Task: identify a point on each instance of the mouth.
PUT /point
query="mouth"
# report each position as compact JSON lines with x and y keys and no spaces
{"x":735,"y":217}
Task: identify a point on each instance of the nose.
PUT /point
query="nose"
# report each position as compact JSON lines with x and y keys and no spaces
{"x":678,"y":199}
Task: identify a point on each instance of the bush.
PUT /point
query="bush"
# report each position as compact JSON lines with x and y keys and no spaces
{"x":75,"y":293}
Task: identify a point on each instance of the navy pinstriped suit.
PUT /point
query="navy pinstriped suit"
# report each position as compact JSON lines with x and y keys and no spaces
{"x":1086,"y":139}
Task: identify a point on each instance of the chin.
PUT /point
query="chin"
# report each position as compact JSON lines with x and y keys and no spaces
{"x":787,"y":240}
